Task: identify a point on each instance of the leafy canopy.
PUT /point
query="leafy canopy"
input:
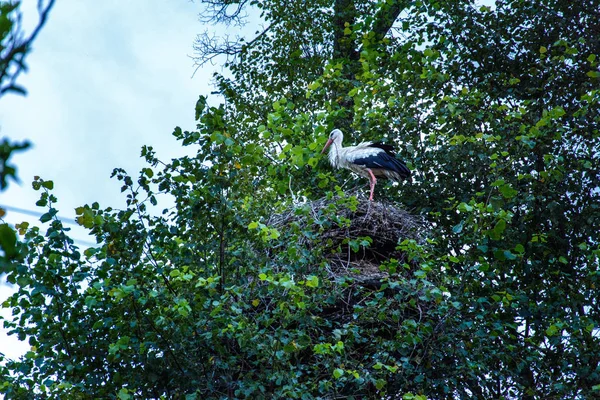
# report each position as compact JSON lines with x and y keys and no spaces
{"x":496,"y":111}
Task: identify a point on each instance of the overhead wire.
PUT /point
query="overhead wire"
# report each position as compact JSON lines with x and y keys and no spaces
{"x":34,"y":213}
{"x":65,"y":220}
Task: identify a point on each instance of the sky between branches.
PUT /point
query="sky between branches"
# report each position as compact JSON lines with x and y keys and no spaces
{"x":105,"y":78}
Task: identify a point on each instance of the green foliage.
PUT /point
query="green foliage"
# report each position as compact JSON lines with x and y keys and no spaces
{"x":8,"y":33}
{"x":14,"y":44}
{"x":7,"y":170}
{"x":8,"y":247}
{"x":14,"y":47}
{"x":494,"y":109}
{"x":8,"y":241}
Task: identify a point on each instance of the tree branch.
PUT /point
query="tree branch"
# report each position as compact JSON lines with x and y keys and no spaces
{"x":12,"y":63}
{"x":386,"y":16}
{"x":221,"y":11}
{"x":208,"y":46}
{"x":343,"y":45}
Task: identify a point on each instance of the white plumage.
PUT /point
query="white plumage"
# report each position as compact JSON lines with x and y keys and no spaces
{"x":366,"y":159}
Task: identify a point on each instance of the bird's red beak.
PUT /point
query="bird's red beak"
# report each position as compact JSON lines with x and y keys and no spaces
{"x":326,"y":145}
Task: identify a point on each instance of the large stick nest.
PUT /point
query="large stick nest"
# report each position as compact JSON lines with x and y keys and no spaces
{"x":342,"y":226}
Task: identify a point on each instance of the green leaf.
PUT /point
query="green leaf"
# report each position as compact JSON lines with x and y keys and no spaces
{"x":458,"y":227}
{"x":200,"y":106}
{"x":48,"y":185}
{"x":380,"y":384}
{"x":420,"y":274}
{"x":552,"y":330}
{"x":593,"y":74}
{"x":124,"y":394}
{"x":148,"y":172}
{"x":464,"y":207}
{"x":314,"y":86}
{"x":312,"y":281}
{"x":8,"y":240}
{"x":90,"y":301}
{"x":49,"y":215}
{"x":337,"y":373}
{"x":507,"y":191}
{"x":500,"y":227}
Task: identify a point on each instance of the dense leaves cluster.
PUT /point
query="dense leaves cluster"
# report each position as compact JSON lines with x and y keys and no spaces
{"x":495,"y":109}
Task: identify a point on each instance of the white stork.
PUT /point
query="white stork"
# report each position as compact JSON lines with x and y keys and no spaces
{"x":367,"y":159}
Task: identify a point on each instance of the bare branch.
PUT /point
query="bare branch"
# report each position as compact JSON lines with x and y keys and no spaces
{"x":12,"y":57}
{"x":228,"y":12}
{"x":208,"y":46}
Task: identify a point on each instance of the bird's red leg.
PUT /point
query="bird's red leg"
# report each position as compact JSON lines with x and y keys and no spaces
{"x":373,"y":181}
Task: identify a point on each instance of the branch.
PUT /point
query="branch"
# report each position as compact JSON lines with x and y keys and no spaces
{"x":219,"y":11}
{"x":43,"y":12}
{"x":19,"y":48}
{"x":386,"y":16}
{"x":209,"y":46}
{"x":344,"y":12}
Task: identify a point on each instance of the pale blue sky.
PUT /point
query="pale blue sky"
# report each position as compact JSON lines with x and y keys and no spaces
{"x":106,"y":77}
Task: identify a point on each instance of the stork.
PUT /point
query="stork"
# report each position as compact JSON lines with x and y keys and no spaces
{"x":366,"y":159}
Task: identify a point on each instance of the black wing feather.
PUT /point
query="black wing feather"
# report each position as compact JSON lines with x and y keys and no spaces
{"x":384,"y":160}
{"x":388,"y":148}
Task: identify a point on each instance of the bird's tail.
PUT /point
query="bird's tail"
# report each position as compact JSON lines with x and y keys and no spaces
{"x":401,"y":169}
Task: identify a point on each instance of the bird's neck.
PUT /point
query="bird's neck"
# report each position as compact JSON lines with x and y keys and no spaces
{"x":334,"y":154}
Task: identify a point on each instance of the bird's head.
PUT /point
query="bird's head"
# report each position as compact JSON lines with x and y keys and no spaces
{"x":336,"y":137}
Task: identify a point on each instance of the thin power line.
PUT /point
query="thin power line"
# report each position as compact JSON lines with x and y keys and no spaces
{"x":36,"y":214}
{"x":69,"y":221}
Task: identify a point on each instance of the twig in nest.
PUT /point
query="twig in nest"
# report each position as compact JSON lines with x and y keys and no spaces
{"x":384,"y":222}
